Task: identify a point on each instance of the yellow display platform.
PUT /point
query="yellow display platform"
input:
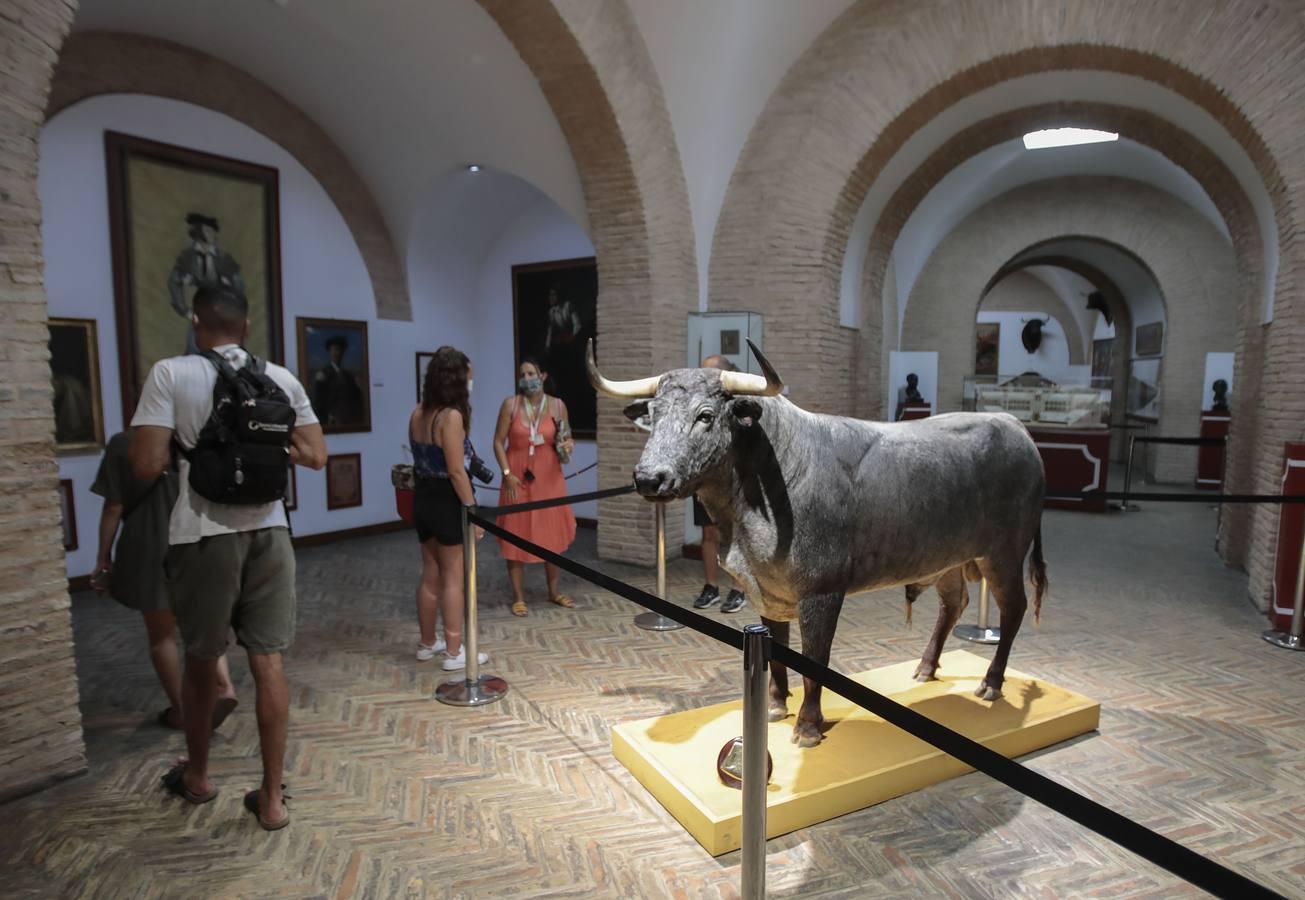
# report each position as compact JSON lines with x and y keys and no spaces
{"x":862,"y":761}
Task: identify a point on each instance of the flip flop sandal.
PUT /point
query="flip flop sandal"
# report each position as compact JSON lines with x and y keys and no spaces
{"x":562,"y":600}
{"x":164,"y":719}
{"x":519,"y":608}
{"x":223,"y":708}
{"x":251,"y":804}
{"x":174,"y":783}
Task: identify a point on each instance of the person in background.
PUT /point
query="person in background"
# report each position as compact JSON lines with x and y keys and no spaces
{"x":711,"y":535}
{"x":229,"y":566}
{"x":526,"y":444}
{"x":437,"y":431}
{"x":133,"y":575}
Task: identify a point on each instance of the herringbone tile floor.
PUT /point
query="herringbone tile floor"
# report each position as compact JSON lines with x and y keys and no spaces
{"x":395,"y":795}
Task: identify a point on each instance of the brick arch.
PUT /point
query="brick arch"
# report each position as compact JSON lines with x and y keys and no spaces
{"x":885,"y":68}
{"x":1189,"y":259}
{"x":1047,"y":301}
{"x":92,"y":64}
{"x":598,"y":78}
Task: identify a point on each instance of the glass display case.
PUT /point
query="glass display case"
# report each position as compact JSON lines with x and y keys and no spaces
{"x":1039,"y":401}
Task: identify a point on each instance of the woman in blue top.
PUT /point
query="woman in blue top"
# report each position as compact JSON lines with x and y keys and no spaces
{"x":437,"y":431}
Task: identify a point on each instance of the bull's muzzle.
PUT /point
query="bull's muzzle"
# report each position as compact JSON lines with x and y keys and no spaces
{"x":656,"y":482}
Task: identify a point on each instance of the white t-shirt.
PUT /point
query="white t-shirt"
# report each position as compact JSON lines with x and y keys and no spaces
{"x":178,"y":394}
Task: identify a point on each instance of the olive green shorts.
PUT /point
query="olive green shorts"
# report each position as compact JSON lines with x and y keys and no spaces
{"x":243,"y":582}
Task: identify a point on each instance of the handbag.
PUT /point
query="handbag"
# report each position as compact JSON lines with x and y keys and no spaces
{"x":563,"y":435}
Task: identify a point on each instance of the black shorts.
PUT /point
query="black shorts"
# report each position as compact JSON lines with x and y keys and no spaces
{"x":437,"y":512}
{"x":700,"y":517}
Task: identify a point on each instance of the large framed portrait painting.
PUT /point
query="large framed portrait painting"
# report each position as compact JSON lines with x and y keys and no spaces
{"x":334,"y":368}
{"x":554,"y":309}
{"x":179,"y":220}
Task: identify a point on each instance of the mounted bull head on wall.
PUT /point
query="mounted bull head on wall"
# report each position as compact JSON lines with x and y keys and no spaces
{"x":1031,"y":336}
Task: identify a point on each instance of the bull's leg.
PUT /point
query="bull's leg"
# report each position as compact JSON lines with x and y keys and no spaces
{"x":778,"y":708}
{"x":954,"y":596}
{"x":1007,"y":583}
{"x":817,"y":617}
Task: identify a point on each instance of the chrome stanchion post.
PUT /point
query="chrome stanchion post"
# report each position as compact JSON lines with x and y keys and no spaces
{"x":1128,"y":477}
{"x":473,"y":689}
{"x":1292,"y":640}
{"x":981,"y":633}
{"x":756,"y":656}
{"x":651,"y":621}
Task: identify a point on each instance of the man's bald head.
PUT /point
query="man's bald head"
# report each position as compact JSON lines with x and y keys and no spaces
{"x":719,"y":362}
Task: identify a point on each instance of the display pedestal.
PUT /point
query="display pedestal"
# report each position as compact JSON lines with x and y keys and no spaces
{"x":862,"y":761}
{"x":1209,"y":460}
{"x":908,"y":411}
{"x":1076,"y":461}
{"x":1291,"y":532}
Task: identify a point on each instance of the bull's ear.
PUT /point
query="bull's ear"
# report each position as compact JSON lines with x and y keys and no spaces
{"x":746,"y":411}
{"x":637,"y":410}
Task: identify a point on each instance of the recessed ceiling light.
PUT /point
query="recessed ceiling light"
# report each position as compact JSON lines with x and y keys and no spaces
{"x":1066,"y":137}
{"x":473,"y":168}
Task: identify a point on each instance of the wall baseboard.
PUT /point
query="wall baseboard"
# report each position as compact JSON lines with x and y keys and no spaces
{"x":584,"y":522}
{"x":691,"y":551}
{"x":329,"y":537}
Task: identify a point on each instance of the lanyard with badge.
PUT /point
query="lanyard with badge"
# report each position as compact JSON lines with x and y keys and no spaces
{"x":533,"y":418}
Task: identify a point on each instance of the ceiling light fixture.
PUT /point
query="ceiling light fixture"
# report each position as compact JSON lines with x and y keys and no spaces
{"x":473,"y":168}
{"x":1066,"y":137}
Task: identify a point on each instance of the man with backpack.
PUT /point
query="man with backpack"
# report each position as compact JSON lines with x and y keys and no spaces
{"x":237,"y":423}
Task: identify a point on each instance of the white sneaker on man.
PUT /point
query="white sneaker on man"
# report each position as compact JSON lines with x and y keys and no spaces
{"x":425,"y":653}
{"x":453,"y":663}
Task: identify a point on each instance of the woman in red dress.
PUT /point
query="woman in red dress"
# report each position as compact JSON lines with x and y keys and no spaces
{"x":525,"y":444}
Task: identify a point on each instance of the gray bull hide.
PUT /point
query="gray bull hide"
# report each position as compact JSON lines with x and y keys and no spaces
{"x":811,"y":507}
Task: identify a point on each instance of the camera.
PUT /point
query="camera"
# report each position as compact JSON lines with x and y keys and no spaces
{"x":479,"y":470}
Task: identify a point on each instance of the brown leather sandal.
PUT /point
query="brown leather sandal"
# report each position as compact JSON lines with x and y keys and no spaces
{"x":519,"y":608}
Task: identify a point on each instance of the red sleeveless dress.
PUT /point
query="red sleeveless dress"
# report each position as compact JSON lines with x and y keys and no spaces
{"x":553,"y":527}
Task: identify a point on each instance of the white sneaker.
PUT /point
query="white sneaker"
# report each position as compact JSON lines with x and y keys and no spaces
{"x":425,"y":653}
{"x":453,"y":663}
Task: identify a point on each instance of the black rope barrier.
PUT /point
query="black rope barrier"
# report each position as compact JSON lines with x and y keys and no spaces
{"x":1183,"y":441}
{"x":1208,"y":497}
{"x":717,"y":630}
{"x":1150,"y":845}
{"x":554,"y":501}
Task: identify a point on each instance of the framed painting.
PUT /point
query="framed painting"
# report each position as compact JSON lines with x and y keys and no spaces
{"x":343,"y":480}
{"x":1101,"y":356}
{"x":75,"y":373}
{"x":291,"y":490}
{"x":69,"y":514}
{"x":179,"y":220}
{"x":1143,"y":400}
{"x":987,"y":344}
{"x":1149,"y":339}
{"x":334,"y":368}
{"x":554,"y":314}
{"x":423,"y":360}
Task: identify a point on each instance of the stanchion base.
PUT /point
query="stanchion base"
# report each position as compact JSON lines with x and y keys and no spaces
{"x":1119,"y":507}
{"x":1284,"y":640}
{"x":651,"y":621}
{"x":461,"y":692}
{"x":977,"y":635}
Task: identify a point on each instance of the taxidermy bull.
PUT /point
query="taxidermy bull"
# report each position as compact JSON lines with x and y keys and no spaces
{"x":811,"y":507}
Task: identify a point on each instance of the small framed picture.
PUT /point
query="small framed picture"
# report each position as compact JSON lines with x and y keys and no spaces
{"x":423,"y":360}
{"x":75,"y":372}
{"x":69,"y":514}
{"x":729,"y":342}
{"x":1149,"y":339}
{"x":343,"y":480}
{"x":291,"y":491}
{"x":333,"y":367}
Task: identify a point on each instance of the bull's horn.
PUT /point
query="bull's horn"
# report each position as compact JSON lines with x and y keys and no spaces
{"x":769,"y":385}
{"x":641,"y":388}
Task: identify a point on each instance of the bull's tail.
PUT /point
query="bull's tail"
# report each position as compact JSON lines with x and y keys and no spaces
{"x":912,"y":592}
{"x":1038,"y":575}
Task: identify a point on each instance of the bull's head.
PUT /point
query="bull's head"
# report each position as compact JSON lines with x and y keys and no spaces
{"x":696,"y":415}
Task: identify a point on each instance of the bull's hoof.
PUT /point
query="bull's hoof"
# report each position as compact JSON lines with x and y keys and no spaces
{"x":807,"y":734}
{"x":923,"y":675}
{"x":986,"y":691}
{"x":777,"y":713}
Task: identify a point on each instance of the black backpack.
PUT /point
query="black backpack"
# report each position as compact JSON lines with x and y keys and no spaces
{"x":242,"y":455}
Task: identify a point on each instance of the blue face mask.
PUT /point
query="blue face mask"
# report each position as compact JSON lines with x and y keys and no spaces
{"x":530,"y":385}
